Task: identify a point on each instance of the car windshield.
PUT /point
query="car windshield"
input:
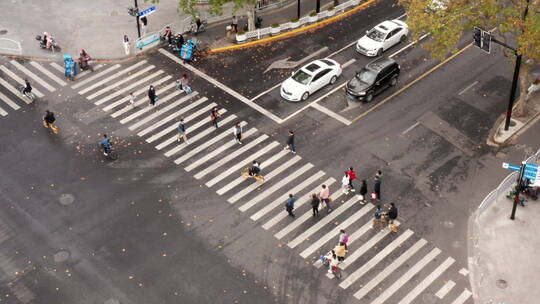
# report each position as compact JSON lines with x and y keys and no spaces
{"x":301,"y":77}
{"x":376,"y":35}
{"x":366,"y":76}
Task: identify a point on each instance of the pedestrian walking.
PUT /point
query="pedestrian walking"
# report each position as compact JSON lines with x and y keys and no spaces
{"x":343,"y":238}
{"x":378,"y":218}
{"x":345,"y":183}
{"x":184,"y":84}
{"x":392,"y":214}
{"x":144,"y":25}
{"x":377,"y":188}
{"x":234,"y":24}
{"x":352,"y":176}
{"x":363,"y":192}
{"x":152,"y":95}
{"x":214,"y":116}
{"x":132,"y":99}
{"x":379,"y":174}
{"x":289,"y":205}
{"x":182,"y":131}
{"x":290,"y":142}
{"x":315,"y":201}
{"x":237,"y":131}
{"x":168,"y":34}
{"x":324,"y":195}
{"x":340,"y":251}
{"x":127,"y":45}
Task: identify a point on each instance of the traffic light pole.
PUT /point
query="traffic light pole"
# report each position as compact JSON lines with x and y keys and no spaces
{"x":298,"y":10}
{"x":138,"y":23}
{"x":517,"y":190}
{"x":318,"y":7}
{"x":512,"y":95}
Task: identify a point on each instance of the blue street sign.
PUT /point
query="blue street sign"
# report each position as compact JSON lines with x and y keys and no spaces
{"x":511,"y":167}
{"x":147,"y":11}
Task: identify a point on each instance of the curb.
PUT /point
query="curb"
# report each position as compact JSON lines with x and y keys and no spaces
{"x":509,"y":141}
{"x":297,"y":31}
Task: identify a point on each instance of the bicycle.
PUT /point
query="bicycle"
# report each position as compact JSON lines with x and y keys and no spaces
{"x":30,"y":95}
{"x":245,"y":174}
{"x":109,"y":155}
{"x":51,"y":126}
{"x":333,"y":269}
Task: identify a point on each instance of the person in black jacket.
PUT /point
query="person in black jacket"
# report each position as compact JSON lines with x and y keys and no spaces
{"x":152,"y":95}
{"x":315,"y":204}
{"x":363,"y":191}
{"x":392,"y":213}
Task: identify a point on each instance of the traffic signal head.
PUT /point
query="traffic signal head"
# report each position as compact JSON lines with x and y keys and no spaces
{"x":486,"y":41}
{"x":477,"y":36}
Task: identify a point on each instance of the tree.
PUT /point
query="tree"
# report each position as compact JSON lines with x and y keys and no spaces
{"x":447,"y":20}
{"x":216,"y":8}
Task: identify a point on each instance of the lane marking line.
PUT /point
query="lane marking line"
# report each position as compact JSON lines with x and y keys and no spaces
{"x":410,"y":128}
{"x":408,"y":45}
{"x":468,"y":87}
{"x":464,"y":296}
{"x":408,"y":85}
{"x":331,"y":113}
{"x":223,"y":87}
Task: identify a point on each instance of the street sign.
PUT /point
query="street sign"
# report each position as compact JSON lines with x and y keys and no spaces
{"x":511,"y":167}
{"x":147,"y":11}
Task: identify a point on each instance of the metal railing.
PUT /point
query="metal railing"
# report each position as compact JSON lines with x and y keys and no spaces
{"x":259,"y":33}
{"x":505,"y":185}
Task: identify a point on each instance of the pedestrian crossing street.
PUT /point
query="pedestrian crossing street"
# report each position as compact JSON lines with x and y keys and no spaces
{"x":45,"y":78}
{"x":214,"y":157}
{"x":381,"y":266}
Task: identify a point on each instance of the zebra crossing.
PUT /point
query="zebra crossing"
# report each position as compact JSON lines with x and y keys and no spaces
{"x":45,"y":78}
{"x":376,"y":269}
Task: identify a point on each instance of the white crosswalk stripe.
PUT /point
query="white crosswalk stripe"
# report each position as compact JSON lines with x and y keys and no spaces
{"x":224,"y":133}
{"x":96,"y":76}
{"x":327,"y":219}
{"x":199,"y":136}
{"x":376,"y":259}
{"x":136,"y":94}
{"x":236,"y":168}
{"x":18,"y":80}
{"x":302,"y":219}
{"x":267,"y":177}
{"x":32,"y":75}
{"x":3,"y":112}
{"x":390,"y":269}
{"x":172,"y":116}
{"x":230,"y":156}
{"x":281,"y":215}
{"x":150,"y":107}
{"x":240,"y":179}
{"x":120,"y":82}
{"x":162,"y":110}
{"x":143,"y":100}
{"x":110,"y":78}
{"x":213,"y":156}
{"x":9,"y":102}
{"x":218,"y":151}
{"x":334,"y":232}
{"x":279,"y":201}
{"x":127,"y":88}
{"x":187,"y":120}
{"x":388,"y":292}
{"x":49,"y":74}
{"x":427,"y":281}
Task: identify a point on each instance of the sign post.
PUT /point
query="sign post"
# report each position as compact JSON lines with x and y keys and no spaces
{"x":528,"y":171}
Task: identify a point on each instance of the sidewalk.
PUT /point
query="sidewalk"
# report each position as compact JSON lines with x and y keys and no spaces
{"x":100,"y":28}
{"x":503,"y":253}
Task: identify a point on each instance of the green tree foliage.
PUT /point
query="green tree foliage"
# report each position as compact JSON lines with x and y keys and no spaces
{"x":446,"y":21}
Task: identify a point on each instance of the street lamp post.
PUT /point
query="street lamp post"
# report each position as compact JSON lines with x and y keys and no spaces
{"x":318,"y":9}
{"x":298,"y":10}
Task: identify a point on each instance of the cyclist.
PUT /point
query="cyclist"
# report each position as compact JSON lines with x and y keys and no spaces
{"x":27,"y":87}
{"x":106,"y":144}
{"x":255,"y":169}
{"x":49,"y":119}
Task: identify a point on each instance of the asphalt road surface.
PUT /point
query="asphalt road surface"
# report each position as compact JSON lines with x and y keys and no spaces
{"x":173,"y":223}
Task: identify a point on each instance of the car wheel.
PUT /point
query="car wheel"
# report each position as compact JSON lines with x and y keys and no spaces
{"x":379,"y":52}
{"x":369,"y":97}
{"x":393,"y":81}
{"x":305,"y":96}
{"x":403,"y":38}
{"x":333,"y":80}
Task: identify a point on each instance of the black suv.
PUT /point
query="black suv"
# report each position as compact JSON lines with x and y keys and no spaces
{"x":373,"y":79}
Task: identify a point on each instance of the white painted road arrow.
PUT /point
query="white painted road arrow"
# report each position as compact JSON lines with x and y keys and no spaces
{"x":286,"y":64}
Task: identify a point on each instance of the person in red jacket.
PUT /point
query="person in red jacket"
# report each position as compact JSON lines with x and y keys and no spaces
{"x":352,"y":176}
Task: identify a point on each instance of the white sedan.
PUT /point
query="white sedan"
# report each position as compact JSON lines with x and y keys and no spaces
{"x":382,"y":37}
{"x":310,"y":78}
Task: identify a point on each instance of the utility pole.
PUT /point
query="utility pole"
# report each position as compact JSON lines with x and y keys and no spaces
{"x":298,"y":11}
{"x":518,"y":190}
{"x":138,"y":24}
{"x":318,"y":9}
